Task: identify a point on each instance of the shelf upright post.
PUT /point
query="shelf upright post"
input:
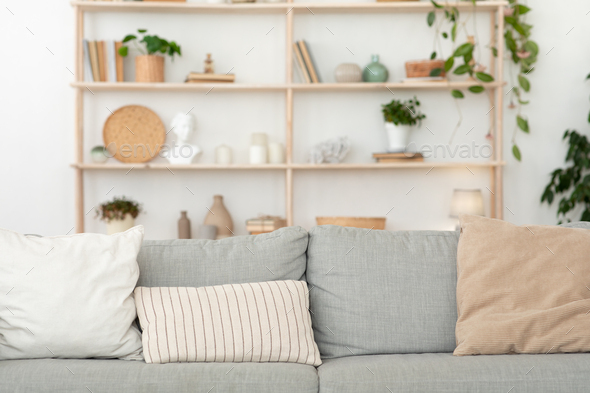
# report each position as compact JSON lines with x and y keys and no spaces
{"x":499,"y":111}
{"x":79,"y":120}
{"x":289,"y":115}
{"x":492,"y":96}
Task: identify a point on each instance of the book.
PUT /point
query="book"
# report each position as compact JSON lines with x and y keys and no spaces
{"x":207,"y":81}
{"x":197,"y":76}
{"x":111,"y":61}
{"x":390,"y":160}
{"x":308,"y":63}
{"x":400,"y":155}
{"x":94,"y":60}
{"x":301,"y":64}
{"x":119,"y":62}
{"x":88,"y":77}
{"x":101,"y":61}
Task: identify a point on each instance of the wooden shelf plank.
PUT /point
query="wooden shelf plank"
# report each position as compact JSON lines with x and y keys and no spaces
{"x":345,"y":166}
{"x":303,"y":7}
{"x":207,"y":88}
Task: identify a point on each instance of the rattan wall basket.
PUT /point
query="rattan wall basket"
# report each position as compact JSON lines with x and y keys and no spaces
{"x":422,"y":68}
{"x":149,"y":68}
{"x":355,"y":222}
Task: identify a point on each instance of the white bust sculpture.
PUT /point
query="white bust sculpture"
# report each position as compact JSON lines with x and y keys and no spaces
{"x":182,"y":152}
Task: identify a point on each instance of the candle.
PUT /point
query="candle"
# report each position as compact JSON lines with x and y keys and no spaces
{"x":259,"y":139}
{"x":276,"y":153}
{"x":258,"y":154}
{"x":223,"y":155}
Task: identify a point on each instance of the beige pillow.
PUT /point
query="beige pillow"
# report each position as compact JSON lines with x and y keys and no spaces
{"x":259,"y":322}
{"x":522,"y":289}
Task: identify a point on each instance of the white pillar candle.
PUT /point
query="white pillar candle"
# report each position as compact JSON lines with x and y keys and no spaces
{"x":258,"y":154}
{"x":259,"y":139}
{"x":276,"y":153}
{"x":223,"y":155}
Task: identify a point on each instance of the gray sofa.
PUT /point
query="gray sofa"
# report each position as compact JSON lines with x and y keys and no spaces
{"x":383,"y":310}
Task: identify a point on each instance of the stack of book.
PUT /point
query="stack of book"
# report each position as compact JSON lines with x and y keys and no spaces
{"x":304,"y":63}
{"x":199,"y":77}
{"x":264,"y":224}
{"x":383,"y":158}
{"x":102,"y":61}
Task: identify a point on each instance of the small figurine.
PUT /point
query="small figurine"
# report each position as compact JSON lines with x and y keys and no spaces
{"x":209,"y":65}
{"x":183,"y":153}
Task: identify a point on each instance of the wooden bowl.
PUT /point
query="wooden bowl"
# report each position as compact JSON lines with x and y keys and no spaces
{"x":355,"y":222}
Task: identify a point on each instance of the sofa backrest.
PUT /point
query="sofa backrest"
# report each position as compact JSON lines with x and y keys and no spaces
{"x":279,"y":255}
{"x":377,"y":292}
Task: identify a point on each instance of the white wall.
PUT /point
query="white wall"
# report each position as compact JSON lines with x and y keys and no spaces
{"x":36,"y":104}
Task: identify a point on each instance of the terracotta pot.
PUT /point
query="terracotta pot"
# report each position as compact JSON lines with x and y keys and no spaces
{"x":116,"y":226}
{"x":149,"y":68}
{"x":219,"y":216}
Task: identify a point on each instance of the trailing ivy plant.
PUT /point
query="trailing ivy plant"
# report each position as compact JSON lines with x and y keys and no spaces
{"x":152,"y":43}
{"x":403,"y":113}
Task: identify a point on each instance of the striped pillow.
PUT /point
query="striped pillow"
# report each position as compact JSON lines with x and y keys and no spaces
{"x":258,"y":322}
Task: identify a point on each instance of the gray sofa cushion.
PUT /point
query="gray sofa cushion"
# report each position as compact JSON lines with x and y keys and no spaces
{"x":445,"y":373}
{"x":394,"y":292}
{"x":115,"y":376}
{"x":279,"y":255}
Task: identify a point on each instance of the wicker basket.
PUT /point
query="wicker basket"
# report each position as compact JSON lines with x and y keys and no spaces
{"x":355,"y":222}
{"x":422,"y":68}
{"x":149,"y":68}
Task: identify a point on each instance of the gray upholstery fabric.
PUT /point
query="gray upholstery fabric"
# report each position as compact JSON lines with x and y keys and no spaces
{"x":279,"y":255}
{"x":394,"y":292}
{"x":116,"y":376}
{"x":445,"y":373}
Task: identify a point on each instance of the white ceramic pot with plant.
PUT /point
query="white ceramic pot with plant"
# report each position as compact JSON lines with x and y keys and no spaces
{"x":401,"y":117}
{"x":119,"y":214}
{"x":149,"y":66}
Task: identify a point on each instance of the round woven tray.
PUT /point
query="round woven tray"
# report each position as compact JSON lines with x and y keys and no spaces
{"x":134,"y":134}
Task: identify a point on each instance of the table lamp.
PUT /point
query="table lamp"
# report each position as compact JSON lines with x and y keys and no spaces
{"x":466,"y":202}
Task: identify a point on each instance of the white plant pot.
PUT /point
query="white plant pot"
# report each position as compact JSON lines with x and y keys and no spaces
{"x":116,"y":226}
{"x":397,"y":137}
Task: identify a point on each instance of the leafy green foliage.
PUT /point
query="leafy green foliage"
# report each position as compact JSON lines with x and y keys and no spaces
{"x":516,"y":152}
{"x":152,"y":44}
{"x":436,"y":72}
{"x":522,"y":124}
{"x":457,"y":94}
{"x":117,"y":209}
{"x":476,"y":89}
{"x":404,"y":113}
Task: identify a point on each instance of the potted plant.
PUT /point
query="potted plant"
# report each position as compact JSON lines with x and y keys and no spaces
{"x":119,"y":214}
{"x":400,"y":117}
{"x":149,"y":67}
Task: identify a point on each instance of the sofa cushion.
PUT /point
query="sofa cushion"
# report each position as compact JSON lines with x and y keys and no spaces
{"x":375,"y":292}
{"x":445,"y":373}
{"x":115,"y":376}
{"x":279,"y":255}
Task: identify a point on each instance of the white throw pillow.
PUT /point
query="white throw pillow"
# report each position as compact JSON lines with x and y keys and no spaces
{"x":69,"y":296}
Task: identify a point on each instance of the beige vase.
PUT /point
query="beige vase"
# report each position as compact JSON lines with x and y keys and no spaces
{"x":149,"y":68}
{"x":116,"y":226}
{"x":219,"y":216}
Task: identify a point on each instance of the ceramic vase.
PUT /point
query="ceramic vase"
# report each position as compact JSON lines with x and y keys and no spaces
{"x":220,"y":217}
{"x":98,"y":154}
{"x":116,"y":226}
{"x":348,"y":73}
{"x":184,"y":226}
{"x":397,"y":137}
{"x":375,"y":72}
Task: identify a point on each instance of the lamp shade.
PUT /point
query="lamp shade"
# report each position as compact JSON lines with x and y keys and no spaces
{"x":467,"y":202}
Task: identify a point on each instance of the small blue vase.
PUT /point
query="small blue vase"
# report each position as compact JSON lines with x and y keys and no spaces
{"x":375,"y":72}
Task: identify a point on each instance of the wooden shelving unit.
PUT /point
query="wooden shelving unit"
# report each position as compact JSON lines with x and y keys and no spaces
{"x":289,"y":88}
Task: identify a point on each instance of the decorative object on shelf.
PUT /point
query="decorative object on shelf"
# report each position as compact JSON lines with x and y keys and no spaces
{"x":276,"y":153}
{"x":134,"y":134}
{"x":208,"y":232}
{"x":331,"y":151}
{"x":197,"y":77}
{"x":119,"y":214}
{"x":406,"y":156}
{"x":223,"y":155}
{"x":259,"y":148}
{"x":99,"y":154}
{"x":149,"y":67}
{"x":264,"y":224}
{"x":355,"y":222}
{"x":220,"y":217}
{"x":183,"y":152}
{"x":400,"y":117}
{"x":305,"y":62}
{"x":348,"y":73}
{"x":375,"y":72}
{"x":209,"y":65}
{"x":423,"y":68}
{"x":184,"y":226}
{"x":102,"y":62}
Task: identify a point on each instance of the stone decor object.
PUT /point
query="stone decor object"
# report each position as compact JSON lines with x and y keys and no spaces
{"x":348,"y":73}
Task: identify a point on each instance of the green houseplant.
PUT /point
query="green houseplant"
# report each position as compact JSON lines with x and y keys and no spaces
{"x":149,"y":66}
{"x":400,"y":117}
{"x":119,"y":214}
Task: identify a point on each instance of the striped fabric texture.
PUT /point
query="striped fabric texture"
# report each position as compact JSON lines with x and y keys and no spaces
{"x":253,"y":322}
